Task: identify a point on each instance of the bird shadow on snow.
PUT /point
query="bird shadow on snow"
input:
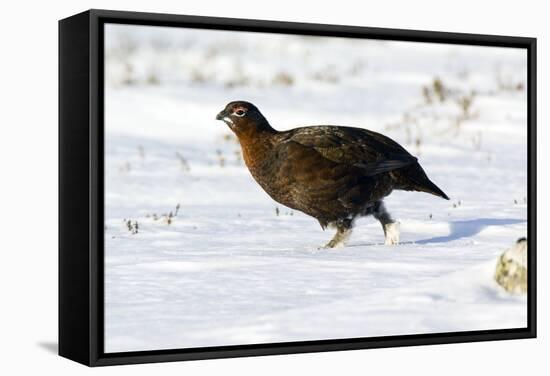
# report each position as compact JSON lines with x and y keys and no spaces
{"x":460,"y":230}
{"x":466,"y":229}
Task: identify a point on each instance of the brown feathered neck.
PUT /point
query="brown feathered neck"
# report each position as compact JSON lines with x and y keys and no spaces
{"x":249,"y":129}
{"x":257,"y":139}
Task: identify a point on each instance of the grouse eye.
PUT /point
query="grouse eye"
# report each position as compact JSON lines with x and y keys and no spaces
{"x":240,"y":112}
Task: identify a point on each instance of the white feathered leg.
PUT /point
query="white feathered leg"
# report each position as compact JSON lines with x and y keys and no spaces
{"x":391,"y":230}
{"x":391,"y":227}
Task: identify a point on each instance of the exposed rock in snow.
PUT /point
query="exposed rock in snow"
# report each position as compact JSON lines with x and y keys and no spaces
{"x":511,"y":271}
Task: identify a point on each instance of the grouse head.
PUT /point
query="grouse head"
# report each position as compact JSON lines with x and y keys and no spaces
{"x":243,"y":118}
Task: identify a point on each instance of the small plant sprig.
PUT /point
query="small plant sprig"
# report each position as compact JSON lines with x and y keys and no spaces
{"x":184,"y":164}
{"x":132,"y":226}
{"x":221,"y":158}
{"x":167,"y":217}
{"x":279,"y":213}
{"x":141,"y":151}
{"x":283,"y":79}
{"x":524,"y":201}
{"x":465,"y":103}
{"x":435,"y":91}
{"x":125,"y":168}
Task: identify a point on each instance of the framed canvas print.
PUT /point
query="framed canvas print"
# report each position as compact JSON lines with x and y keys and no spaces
{"x":234,"y":187}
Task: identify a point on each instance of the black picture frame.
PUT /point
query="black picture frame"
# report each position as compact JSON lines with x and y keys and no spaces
{"x":81,"y":186}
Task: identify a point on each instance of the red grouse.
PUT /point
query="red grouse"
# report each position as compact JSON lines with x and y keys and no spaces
{"x":334,"y":174}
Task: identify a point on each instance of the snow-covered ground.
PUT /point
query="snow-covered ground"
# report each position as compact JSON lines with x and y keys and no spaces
{"x":231,"y":266}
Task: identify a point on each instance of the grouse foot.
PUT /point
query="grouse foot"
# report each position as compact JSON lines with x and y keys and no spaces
{"x":339,"y":239}
{"x":391,"y":230}
{"x":343,"y":231}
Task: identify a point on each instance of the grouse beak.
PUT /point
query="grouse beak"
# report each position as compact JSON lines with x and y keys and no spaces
{"x":221,"y":115}
{"x":225,"y":118}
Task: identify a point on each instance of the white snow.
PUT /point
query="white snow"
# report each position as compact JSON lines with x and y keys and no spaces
{"x":227,"y":269}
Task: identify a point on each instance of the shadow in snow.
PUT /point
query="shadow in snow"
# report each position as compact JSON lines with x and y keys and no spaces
{"x":466,"y":229}
{"x":375,"y":244}
{"x":459,"y":230}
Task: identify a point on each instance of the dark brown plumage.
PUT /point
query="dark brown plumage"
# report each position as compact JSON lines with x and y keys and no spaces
{"x":334,"y":174}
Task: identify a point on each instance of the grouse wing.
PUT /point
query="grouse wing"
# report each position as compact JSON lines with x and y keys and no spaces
{"x":372,"y":152}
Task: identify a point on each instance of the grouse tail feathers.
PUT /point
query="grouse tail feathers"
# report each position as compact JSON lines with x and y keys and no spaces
{"x":414,"y":178}
{"x":429,"y":187}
